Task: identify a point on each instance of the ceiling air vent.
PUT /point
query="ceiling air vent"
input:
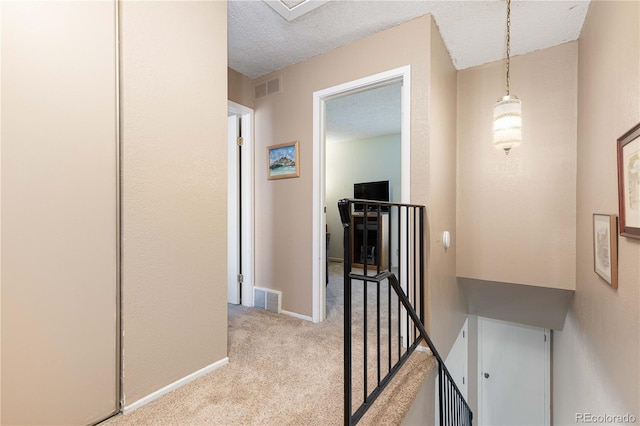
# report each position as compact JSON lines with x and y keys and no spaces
{"x":292,"y":9}
{"x":267,"y":88}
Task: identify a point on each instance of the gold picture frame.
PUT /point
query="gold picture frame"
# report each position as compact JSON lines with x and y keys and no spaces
{"x":283,"y":161}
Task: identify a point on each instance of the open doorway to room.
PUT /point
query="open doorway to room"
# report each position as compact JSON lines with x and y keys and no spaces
{"x":361,"y":135}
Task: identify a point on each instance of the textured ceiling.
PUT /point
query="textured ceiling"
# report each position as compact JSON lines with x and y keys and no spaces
{"x":262,"y":41}
{"x":363,"y":115}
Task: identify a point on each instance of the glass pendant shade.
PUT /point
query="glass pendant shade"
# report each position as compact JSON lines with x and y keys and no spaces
{"x":507,"y":123}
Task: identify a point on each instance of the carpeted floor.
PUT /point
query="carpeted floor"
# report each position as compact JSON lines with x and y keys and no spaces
{"x":285,"y":371}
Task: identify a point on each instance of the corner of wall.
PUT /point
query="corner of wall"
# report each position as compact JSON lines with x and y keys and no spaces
{"x":447,"y":305}
{"x":239,"y":88}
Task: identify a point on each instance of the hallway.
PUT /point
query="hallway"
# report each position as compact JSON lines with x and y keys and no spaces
{"x":282,"y":371}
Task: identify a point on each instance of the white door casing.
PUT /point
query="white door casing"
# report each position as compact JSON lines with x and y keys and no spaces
{"x":318,"y":209}
{"x":458,"y":360}
{"x":240,"y":121}
{"x":233,"y":286}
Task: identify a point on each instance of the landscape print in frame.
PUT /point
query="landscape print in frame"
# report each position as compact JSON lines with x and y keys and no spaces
{"x":283,"y":161}
{"x":605,"y":248}
{"x":629,"y":182}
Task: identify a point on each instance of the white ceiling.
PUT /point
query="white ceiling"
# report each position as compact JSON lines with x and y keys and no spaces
{"x":267,"y":37}
{"x":362,"y":115}
{"x":262,"y":41}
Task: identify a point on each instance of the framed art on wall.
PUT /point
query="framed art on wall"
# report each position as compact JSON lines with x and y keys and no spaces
{"x":605,"y":248}
{"x":283,"y":161}
{"x":629,"y":182}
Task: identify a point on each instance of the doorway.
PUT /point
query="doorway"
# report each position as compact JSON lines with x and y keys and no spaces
{"x":320,"y":98}
{"x":240,"y":229}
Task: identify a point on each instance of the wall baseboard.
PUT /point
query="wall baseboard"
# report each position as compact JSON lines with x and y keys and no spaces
{"x":293,"y":314}
{"x":175,"y":385}
{"x":425,"y":349}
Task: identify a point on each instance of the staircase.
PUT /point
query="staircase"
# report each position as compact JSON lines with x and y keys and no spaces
{"x":388,"y":267}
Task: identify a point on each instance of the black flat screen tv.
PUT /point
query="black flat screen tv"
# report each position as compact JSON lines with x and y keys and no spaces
{"x":374,"y":191}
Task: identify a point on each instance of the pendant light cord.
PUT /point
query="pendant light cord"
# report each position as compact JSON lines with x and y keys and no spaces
{"x":508,"y":40}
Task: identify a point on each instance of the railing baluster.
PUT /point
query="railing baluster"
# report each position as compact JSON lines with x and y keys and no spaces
{"x":440,"y":394}
{"x":406,"y":271}
{"x":389,"y":249}
{"x":449,"y":402}
{"x":378,"y":327}
{"x":377,"y":256}
{"x":399,"y":238}
{"x":399,"y":329}
{"x":365,"y":333}
{"x":421,"y":269}
{"x":345,"y":215}
{"x":390,"y":328}
{"x":453,"y":409}
{"x":415,"y":298}
{"x":364,"y":250}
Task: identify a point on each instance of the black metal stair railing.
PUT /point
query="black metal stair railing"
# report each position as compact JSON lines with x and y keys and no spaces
{"x":382,"y":345}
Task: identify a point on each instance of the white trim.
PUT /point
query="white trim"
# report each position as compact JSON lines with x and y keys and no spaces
{"x":299,"y":316}
{"x":248,"y":214}
{"x":175,"y":385}
{"x":318,"y":216}
{"x":233,"y":222}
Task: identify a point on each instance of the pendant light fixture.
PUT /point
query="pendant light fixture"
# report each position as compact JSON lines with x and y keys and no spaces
{"x":507,"y":113}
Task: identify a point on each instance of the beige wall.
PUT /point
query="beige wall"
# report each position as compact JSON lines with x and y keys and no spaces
{"x":516,"y":213}
{"x":174,"y":173}
{"x":596,"y":356}
{"x":240,"y":88}
{"x":361,"y":160}
{"x":283,"y":251}
{"x":58,"y":254}
{"x":447,"y":306}
{"x":284,"y":206}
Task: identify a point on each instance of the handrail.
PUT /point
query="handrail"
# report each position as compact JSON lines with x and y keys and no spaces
{"x":453,"y":409}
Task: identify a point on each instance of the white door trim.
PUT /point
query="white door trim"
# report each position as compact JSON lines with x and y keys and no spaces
{"x":318,"y":216}
{"x":247,"y":115}
{"x":233,"y":287}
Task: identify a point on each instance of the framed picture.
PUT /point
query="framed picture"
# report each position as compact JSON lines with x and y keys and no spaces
{"x":605,"y":248}
{"x":283,"y":161}
{"x":629,"y":182}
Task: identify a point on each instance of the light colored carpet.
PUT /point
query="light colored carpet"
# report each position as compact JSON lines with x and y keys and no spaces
{"x":284,"y":371}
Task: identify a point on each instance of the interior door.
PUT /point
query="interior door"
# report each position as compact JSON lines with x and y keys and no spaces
{"x":514,"y":369}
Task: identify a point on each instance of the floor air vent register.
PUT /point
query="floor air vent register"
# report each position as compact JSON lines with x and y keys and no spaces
{"x":267,"y":299}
